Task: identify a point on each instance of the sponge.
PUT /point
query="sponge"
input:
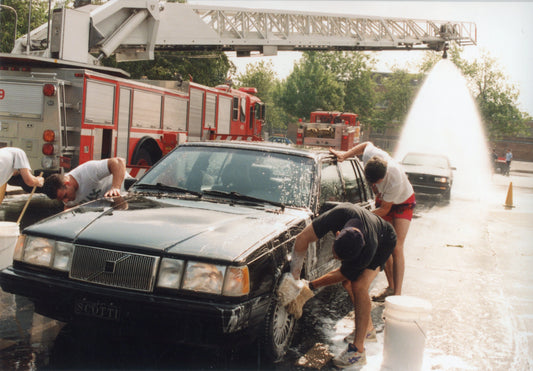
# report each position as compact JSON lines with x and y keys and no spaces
{"x":293,"y":294}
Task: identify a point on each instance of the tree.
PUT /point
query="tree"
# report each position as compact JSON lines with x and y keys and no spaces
{"x":309,"y":87}
{"x":398,"y":93}
{"x":354,"y":71}
{"x":39,"y":16}
{"x":261,"y":76}
{"x":207,"y":69}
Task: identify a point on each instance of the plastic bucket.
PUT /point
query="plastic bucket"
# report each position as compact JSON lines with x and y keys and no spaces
{"x":9,"y":232}
{"x":405,"y":337}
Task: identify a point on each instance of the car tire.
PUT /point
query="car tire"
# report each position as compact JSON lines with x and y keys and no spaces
{"x":279,"y":329}
{"x":447,"y":195}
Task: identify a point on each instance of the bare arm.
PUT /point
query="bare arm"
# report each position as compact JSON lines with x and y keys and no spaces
{"x":304,"y":238}
{"x":30,"y":180}
{"x":330,"y":278}
{"x":354,"y":151}
{"x":383,"y":209}
{"x":117,"y":168}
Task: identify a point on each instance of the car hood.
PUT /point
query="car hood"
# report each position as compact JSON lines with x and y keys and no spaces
{"x":178,"y":226}
{"x":419,"y":169}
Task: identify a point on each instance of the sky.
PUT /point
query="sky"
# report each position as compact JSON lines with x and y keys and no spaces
{"x":504,"y":31}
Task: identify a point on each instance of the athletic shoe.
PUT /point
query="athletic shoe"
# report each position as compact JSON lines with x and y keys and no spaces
{"x":350,"y":357}
{"x":381,"y":297}
{"x":370,"y":336}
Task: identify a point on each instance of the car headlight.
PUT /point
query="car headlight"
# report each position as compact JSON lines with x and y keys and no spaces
{"x":170,"y":273}
{"x":237,"y":282}
{"x":63,"y":256}
{"x":440,"y":179}
{"x":204,"y":277}
{"x":44,"y":252}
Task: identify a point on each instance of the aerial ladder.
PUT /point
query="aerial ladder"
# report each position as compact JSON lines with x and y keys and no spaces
{"x":134,"y":29}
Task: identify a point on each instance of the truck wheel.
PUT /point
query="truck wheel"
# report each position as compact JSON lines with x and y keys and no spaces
{"x":278,"y":332}
{"x":143,"y":158}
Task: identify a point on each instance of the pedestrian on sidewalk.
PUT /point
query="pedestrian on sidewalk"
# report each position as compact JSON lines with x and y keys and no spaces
{"x":395,"y":201}
{"x":88,"y":181}
{"x":508,"y":159}
{"x":363,"y":244}
{"x":13,"y":161}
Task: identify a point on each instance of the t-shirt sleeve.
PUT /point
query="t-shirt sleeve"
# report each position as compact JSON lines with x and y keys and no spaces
{"x":20,"y":160}
{"x":371,"y":150}
{"x":332,"y":220}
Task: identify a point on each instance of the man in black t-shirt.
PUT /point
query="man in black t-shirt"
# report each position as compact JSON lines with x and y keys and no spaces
{"x":363,"y":243}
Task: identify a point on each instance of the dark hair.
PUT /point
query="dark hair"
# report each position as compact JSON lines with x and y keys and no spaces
{"x":375,"y":169}
{"x":52,"y":184}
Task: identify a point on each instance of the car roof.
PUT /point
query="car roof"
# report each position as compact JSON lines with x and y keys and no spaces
{"x":267,"y":146}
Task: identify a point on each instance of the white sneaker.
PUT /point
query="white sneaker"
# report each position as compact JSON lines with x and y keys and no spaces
{"x":370,"y":336}
{"x":350,"y":357}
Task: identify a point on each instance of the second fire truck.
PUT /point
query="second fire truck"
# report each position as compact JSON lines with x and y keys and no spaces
{"x":339,"y":130}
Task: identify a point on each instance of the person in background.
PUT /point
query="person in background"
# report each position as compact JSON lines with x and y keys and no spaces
{"x":494,"y":158}
{"x":363,"y":243}
{"x":508,"y":159}
{"x":395,"y":201}
{"x":88,"y":181}
{"x":13,"y":161}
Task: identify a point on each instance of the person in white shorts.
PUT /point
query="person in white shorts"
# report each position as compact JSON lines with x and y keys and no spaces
{"x":395,"y":201}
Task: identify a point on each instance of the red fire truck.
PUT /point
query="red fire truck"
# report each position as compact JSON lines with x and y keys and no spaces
{"x":340,"y":130}
{"x":63,"y":114}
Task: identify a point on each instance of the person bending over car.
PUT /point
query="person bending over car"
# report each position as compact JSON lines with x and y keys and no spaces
{"x":13,"y":161}
{"x":88,"y":181}
{"x":363,"y":243}
{"x":395,"y":201}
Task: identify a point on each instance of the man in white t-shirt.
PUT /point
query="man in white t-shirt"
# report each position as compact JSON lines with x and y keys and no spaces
{"x":395,"y":201}
{"x":89,"y":181}
{"x":13,"y":161}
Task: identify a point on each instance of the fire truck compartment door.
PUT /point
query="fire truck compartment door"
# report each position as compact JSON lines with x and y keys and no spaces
{"x":22,"y":100}
{"x":224,"y":114}
{"x":196,"y":106}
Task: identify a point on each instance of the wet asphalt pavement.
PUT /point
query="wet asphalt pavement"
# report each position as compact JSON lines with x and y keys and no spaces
{"x":470,"y":258}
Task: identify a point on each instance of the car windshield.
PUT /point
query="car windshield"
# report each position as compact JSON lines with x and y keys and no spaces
{"x":419,"y":159}
{"x":273,"y":177}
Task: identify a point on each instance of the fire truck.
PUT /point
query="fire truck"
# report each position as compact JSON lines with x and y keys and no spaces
{"x":61,"y":106}
{"x":339,"y":130}
{"x":63,"y":114}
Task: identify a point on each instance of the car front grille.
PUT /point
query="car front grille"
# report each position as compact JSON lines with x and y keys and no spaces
{"x":114,"y":268}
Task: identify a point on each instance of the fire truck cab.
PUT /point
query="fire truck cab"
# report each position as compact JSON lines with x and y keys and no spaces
{"x":339,"y":130}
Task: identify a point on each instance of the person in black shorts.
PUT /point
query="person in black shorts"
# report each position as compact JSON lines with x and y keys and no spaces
{"x":363,"y":243}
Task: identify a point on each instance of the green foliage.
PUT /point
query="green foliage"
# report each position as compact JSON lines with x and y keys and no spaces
{"x":207,"y":69}
{"x":311,"y":86}
{"x":398,"y":93}
{"x":497,"y":100}
{"x":39,"y":16}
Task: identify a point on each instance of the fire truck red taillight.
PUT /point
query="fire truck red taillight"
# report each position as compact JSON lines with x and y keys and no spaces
{"x":49,"y":136}
{"x":48,"y":149}
{"x":49,"y":90}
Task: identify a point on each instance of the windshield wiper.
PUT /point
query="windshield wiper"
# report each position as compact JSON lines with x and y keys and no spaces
{"x":241,"y":197}
{"x":166,"y":188}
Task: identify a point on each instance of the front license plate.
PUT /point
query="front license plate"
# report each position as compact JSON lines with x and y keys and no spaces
{"x":97,"y":309}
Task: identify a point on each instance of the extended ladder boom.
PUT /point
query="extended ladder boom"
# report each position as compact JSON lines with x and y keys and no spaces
{"x":134,"y":29}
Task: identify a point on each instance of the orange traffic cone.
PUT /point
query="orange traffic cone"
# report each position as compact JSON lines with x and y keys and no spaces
{"x":509,"y":199}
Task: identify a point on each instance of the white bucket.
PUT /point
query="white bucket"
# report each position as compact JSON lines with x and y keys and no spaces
{"x":9,"y":232}
{"x":405,"y":337}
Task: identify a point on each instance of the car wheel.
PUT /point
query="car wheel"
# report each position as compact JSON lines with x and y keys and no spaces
{"x":278,"y":332}
{"x":446,"y":195}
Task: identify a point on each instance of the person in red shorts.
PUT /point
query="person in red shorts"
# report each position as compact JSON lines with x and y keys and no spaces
{"x":395,"y":201}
